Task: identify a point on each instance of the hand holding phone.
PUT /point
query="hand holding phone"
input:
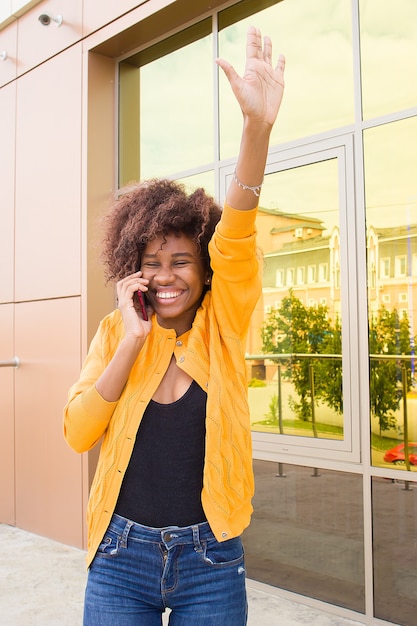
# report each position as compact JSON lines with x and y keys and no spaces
{"x":141,"y":299}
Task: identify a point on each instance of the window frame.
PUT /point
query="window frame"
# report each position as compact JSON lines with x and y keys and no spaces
{"x":289,"y":448}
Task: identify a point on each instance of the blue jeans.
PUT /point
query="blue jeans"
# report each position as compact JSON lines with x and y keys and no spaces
{"x":139,"y":571}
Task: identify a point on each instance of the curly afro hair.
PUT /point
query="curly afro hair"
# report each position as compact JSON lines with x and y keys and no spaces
{"x":150,"y":209}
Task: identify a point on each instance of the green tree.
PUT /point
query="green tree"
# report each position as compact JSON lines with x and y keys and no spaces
{"x":295,"y":329}
{"x":330,"y":370}
{"x":389,"y":335}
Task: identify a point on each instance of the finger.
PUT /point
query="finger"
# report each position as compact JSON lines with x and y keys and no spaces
{"x":268,"y":49}
{"x":229,"y":71}
{"x":253,"y":43}
{"x":280,"y":67}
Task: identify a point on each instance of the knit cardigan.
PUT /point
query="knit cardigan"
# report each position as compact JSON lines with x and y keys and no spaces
{"x":212,"y":352}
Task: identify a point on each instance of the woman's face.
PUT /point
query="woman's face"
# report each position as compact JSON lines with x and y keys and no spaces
{"x":177,"y":276}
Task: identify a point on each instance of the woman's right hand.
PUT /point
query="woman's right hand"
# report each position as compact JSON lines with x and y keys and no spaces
{"x":127,"y":288}
{"x":113,"y":380}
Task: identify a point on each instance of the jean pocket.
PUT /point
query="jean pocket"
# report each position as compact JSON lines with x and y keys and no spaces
{"x":225,"y":553}
{"x":110,"y":545}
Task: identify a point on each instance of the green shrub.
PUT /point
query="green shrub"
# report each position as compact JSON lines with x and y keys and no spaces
{"x":255,"y":382}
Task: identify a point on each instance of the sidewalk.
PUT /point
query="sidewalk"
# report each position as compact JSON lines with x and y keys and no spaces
{"x":42,"y":584}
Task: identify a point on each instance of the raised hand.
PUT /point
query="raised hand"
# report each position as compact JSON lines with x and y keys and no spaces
{"x":259,"y":91}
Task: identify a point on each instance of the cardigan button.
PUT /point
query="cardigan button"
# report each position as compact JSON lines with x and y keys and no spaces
{"x":181,"y":359}
{"x":224,"y":534}
{"x":179,"y":342}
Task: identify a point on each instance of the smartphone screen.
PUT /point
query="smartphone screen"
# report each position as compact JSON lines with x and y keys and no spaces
{"x":141,"y":299}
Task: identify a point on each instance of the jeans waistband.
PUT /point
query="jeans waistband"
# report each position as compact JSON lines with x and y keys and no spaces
{"x":170,"y":536}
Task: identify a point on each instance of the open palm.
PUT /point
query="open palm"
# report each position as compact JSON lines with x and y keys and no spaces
{"x":259,"y":91}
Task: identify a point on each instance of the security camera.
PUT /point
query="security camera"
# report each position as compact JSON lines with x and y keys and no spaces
{"x":46,"y":19}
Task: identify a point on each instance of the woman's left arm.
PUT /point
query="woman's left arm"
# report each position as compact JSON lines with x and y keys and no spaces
{"x":259,"y":93}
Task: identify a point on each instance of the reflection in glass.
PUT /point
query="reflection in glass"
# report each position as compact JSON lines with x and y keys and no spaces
{"x":394,"y":508}
{"x":391,"y":212}
{"x":298,"y":389}
{"x":388,"y":33}
{"x":319,"y":83}
{"x":175,"y":87}
{"x":306,"y":534}
{"x":204,"y":180}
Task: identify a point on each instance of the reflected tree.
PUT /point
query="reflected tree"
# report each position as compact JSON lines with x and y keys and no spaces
{"x":389,"y":335}
{"x":297,"y":330}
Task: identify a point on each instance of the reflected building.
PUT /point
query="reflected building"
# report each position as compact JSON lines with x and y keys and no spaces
{"x":392,"y":271}
{"x":303,"y":260}
{"x":130,"y":89}
{"x":299,"y":256}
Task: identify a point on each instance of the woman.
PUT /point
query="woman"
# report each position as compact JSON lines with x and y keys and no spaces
{"x":167,"y":395}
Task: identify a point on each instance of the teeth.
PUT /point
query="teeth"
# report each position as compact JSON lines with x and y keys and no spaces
{"x":166,"y":295}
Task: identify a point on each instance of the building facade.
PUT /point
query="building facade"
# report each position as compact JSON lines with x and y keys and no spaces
{"x":94,"y":94}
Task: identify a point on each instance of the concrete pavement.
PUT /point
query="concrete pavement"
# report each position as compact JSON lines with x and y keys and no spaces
{"x":42,"y":584}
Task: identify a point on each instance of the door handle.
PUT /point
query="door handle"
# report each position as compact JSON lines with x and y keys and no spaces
{"x":14,"y":362}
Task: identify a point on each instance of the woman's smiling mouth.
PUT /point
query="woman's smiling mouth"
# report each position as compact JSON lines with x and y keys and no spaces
{"x":167,"y":295}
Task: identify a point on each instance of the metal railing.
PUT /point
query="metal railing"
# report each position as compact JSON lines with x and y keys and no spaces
{"x":283,"y":358}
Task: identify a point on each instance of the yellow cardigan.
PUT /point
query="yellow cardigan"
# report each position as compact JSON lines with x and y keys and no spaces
{"x":212,"y":353}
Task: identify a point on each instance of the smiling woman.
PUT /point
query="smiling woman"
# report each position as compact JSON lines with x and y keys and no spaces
{"x":180,"y":373}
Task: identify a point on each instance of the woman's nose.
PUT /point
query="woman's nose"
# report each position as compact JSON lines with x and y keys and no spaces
{"x":164,"y":274}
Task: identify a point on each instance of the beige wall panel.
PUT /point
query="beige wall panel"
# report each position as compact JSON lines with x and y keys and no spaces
{"x":7,"y":443}
{"x":48,"y":472}
{"x":97,"y":14}
{"x":8,"y":45}
{"x":7,"y":169}
{"x":36,"y":43}
{"x":48,"y":179}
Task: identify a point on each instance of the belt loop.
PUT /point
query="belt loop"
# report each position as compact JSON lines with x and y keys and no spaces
{"x":125,"y":533}
{"x":196,"y":538}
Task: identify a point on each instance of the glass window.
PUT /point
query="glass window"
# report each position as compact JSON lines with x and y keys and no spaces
{"x":394,"y":508}
{"x":400,"y":265}
{"x":311,"y":274}
{"x":390,"y":153}
{"x":326,"y":26}
{"x":173,"y":86}
{"x":323,"y":269}
{"x":388,"y":35}
{"x":371,"y":270}
{"x":385,"y":267}
{"x":306,"y":534}
{"x":279,"y":278}
{"x":336,"y":270}
{"x":302,"y":392}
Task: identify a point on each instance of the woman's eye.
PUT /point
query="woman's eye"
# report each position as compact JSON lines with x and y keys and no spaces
{"x":149,"y":265}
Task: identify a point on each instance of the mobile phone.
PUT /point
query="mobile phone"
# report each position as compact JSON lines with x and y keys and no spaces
{"x":141,"y":299}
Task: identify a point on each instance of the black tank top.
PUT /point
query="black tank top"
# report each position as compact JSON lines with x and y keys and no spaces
{"x":163,"y":481}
